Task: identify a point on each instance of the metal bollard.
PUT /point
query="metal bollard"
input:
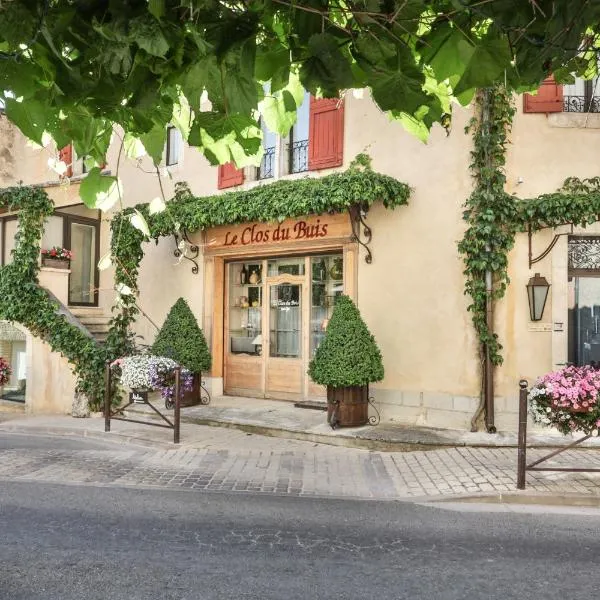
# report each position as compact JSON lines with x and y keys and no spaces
{"x":522,"y":436}
{"x":176,"y":416}
{"x":107,"y":385}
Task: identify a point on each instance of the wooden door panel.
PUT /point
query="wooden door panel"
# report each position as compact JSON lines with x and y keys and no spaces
{"x":284,"y":375}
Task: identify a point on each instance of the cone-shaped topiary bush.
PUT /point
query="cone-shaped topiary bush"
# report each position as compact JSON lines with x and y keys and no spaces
{"x":348,"y":355}
{"x":181,"y":339}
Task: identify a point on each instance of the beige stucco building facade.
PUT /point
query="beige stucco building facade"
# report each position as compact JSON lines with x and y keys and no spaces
{"x":410,"y":295}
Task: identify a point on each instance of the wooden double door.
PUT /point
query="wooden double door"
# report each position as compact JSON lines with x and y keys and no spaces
{"x":276,"y":314}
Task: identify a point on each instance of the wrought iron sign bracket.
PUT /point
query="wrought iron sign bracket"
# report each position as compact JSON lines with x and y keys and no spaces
{"x":184,"y":248}
{"x":357,"y":221}
{"x":532,"y":259}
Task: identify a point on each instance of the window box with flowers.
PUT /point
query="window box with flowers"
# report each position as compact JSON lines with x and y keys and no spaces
{"x":568,"y":399}
{"x":57,"y":258}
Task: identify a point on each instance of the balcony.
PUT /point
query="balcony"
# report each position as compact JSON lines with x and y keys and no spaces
{"x":299,"y":156}
{"x":581,"y":104}
{"x":267,"y":166}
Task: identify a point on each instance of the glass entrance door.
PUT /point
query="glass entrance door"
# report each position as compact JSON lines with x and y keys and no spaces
{"x":83,"y":243}
{"x":285,"y":352}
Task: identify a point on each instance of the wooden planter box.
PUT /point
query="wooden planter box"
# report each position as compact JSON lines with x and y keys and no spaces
{"x":348,"y":406}
{"x":55,"y":263}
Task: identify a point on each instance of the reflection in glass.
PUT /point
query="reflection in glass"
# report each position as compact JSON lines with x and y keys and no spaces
{"x":81,"y":280}
{"x":327,"y":282}
{"x":584,"y":320}
{"x":285,"y":321}
{"x":286,"y":266}
{"x":245,"y":307}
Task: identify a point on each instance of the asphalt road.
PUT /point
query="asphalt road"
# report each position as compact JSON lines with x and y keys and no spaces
{"x":70,"y":542}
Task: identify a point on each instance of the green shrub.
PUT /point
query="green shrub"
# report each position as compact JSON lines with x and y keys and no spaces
{"x":348,"y":355}
{"x":181,"y":339}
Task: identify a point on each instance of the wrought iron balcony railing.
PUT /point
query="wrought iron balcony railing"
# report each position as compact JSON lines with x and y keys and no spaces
{"x":299,"y":156}
{"x":581,"y":104}
{"x":267,"y":166}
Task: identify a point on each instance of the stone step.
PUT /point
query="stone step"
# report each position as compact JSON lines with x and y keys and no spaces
{"x":97,"y":327}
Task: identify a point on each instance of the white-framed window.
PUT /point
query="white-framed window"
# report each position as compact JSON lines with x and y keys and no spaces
{"x":174,"y":146}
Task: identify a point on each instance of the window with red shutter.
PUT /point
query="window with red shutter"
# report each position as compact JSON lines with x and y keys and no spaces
{"x":326,"y":133}
{"x":549,"y":98}
{"x":229,"y":176}
{"x":66,"y":155}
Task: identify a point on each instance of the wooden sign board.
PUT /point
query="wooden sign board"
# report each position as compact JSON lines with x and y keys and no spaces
{"x":313,"y":229}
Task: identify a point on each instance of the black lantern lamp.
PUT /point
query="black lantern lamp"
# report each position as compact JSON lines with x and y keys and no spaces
{"x":537,"y":293}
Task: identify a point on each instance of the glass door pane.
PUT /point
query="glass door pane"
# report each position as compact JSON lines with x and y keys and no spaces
{"x":245,"y":307}
{"x":83,"y":263}
{"x":285,"y":321}
{"x":327,"y":282}
{"x":584,"y":320}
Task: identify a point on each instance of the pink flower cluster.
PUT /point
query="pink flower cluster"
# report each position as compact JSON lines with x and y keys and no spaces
{"x":568,"y":399}
{"x":574,"y":388}
{"x":5,"y":371}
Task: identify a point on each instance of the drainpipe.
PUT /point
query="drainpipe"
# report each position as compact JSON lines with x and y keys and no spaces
{"x":488,"y":377}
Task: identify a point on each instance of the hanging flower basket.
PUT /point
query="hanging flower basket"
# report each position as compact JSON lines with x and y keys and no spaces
{"x":144,"y":372}
{"x":567,"y":399}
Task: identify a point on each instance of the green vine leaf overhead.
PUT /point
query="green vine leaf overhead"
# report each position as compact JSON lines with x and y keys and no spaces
{"x":77,"y":69}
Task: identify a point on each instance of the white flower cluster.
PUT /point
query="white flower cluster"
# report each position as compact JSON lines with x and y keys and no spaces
{"x":136,"y":370}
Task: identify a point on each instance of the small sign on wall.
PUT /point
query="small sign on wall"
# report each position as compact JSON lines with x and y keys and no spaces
{"x":138,"y":397}
{"x":539,"y":327}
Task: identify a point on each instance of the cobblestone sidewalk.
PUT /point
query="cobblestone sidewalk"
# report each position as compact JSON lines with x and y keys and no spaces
{"x":235,"y":461}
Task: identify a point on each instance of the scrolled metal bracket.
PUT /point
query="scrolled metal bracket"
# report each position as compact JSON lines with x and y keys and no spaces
{"x":357,"y":221}
{"x":188,"y":247}
{"x":374,"y":419}
{"x":532,"y":259}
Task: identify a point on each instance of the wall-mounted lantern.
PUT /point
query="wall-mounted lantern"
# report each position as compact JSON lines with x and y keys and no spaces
{"x":537,"y":293}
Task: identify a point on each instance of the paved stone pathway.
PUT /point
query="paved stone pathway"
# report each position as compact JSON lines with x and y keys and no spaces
{"x":235,"y":461}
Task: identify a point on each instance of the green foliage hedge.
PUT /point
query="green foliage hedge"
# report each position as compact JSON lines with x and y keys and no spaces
{"x":181,"y":339}
{"x":348,"y":355}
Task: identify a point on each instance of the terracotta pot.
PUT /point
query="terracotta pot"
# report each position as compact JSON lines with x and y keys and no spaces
{"x":55,"y":263}
{"x":348,"y":406}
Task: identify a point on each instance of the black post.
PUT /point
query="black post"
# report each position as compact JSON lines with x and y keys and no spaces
{"x":176,"y":416}
{"x":107,"y":386}
{"x":522,"y":439}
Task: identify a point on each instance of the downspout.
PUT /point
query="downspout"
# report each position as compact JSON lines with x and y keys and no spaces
{"x":488,"y":366}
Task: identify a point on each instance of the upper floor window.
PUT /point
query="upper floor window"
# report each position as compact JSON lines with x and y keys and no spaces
{"x":582,"y":96}
{"x":298,"y":145}
{"x":267,"y":165}
{"x":315,"y":142}
{"x":173,"y":146}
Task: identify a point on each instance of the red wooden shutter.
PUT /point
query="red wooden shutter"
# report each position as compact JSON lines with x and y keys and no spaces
{"x":325,"y":133}
{"x":229,"y":176}
{"x":66,"y":155}
{"x":549,"y":98}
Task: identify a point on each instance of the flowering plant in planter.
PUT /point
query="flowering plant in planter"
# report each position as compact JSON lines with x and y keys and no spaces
{"x":57,"y":253}
{"x":567,"y":399}
{"x":5,"y":371}
{"x":147,"y":372}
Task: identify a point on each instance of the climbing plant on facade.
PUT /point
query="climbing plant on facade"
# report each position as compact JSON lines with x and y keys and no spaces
{"x":23,"y":301}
